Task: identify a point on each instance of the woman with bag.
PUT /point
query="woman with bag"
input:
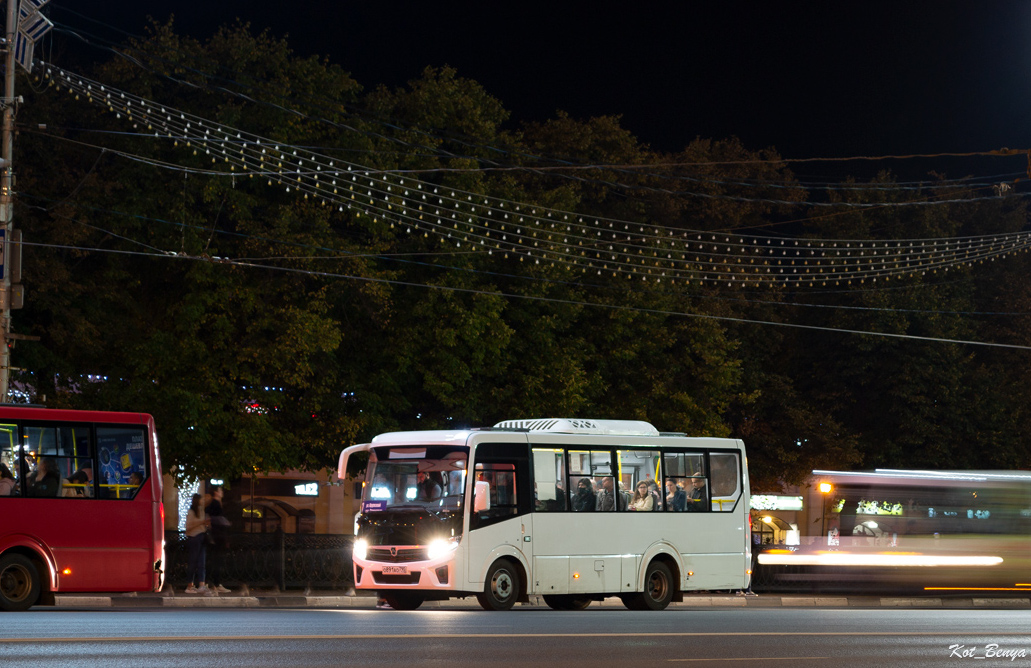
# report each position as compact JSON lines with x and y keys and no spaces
{"x":196,"y":537}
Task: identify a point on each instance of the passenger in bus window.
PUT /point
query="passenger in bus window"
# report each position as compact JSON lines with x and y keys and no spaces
{"x":84,"y":476}
{"x":585,"y":500}
{"x":24,"y":466}
{"x":606,"y":499}
{"x":46,"y":481}
{"x":642,"y":500}
{"x":609,"y":497}
{"x":696,"y":499}
{"x":560,"y":496}
{"x":653,"y":489}
{"x":676,"y":498}
{"x":135,"y":480}
{"x":7,"y":481}
{"x":76,"y":484}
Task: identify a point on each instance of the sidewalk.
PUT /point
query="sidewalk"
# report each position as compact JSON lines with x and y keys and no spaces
{"x":176,"y":599}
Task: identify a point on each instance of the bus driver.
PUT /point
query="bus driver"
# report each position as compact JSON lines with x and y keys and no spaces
{"x":426,"y":488}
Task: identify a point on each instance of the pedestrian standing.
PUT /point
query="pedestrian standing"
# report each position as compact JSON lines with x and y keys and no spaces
{"x":219,"y":544}
{"x":196,"y":537}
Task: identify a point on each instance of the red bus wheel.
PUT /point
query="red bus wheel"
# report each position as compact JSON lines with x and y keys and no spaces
{"x":19,"y":583}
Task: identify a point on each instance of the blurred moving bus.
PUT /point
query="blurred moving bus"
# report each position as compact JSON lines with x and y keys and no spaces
{"x":80,"y":498}
{"x":926,"y":531}
{"x":544,"y":507}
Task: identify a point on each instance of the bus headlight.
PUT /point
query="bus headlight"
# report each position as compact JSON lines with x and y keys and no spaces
{"x":441,"y":547}
{"x":361,"y":548}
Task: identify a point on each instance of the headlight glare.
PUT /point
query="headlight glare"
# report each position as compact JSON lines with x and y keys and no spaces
{"x":441,"y":547}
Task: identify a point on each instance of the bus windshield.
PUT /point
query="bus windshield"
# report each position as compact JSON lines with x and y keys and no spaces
{"x":430,"y":478}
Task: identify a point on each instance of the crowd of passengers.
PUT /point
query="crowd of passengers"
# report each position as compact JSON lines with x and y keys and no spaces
{"x":44,"y":480}
{"x":601,"y":495}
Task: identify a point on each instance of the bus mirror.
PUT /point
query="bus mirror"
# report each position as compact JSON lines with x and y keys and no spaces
{"x":345,"y":455}
{"x":481,"y":496}
{"x":342,"y":465}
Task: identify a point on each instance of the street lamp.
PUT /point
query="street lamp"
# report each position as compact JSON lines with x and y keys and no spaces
{"x":825,"y":489}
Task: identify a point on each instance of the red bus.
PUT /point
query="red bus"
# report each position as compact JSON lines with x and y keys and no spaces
{"x":80,"y":504}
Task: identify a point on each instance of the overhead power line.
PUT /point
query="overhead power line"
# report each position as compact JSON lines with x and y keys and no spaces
{"x":508,"y":295}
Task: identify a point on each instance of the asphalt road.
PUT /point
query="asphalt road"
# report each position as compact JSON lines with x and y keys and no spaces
{"x":282,"y":638}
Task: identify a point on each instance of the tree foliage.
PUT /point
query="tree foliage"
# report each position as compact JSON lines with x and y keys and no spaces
{"x":353,"y":325}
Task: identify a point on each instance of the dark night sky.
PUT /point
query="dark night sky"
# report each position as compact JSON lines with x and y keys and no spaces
{"x":809,"y":78}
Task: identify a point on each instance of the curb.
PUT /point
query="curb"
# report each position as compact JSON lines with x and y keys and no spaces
{"x":279,"y":600}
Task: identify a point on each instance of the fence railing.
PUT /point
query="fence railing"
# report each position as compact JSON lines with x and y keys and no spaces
{"x":270,"y":560}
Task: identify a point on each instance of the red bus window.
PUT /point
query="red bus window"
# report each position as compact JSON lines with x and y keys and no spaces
{"x":58,"y":453}
{"x":122,"y":455}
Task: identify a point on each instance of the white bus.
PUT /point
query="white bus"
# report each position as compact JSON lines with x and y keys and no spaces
{"x":548,"y":508}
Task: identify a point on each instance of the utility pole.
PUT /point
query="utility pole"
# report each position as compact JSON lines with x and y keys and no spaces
{"x":25,"y":26}
{"x":7,"y":197}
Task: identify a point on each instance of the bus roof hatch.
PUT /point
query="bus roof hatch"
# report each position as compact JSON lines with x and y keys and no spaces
{"x":577,"y":426}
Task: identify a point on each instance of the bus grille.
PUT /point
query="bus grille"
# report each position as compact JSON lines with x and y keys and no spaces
{"x":410,"y":579}
{"x":402,"y":555}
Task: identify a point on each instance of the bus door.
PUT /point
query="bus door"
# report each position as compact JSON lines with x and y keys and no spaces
{"x":499,"y":518}
{"x":576,"y":549}
{"x":715,"y":541}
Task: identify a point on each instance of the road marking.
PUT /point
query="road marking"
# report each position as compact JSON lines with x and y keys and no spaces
{"x":433,"y":636}
{"x":762,"y":658}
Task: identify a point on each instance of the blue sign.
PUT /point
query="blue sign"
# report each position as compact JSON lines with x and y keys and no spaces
{"x":373,"y":506}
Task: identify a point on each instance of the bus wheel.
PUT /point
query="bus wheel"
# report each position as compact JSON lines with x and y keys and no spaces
{"x":403,"y":600}
{"x":19,"y":583}
{"x":658,"y":589}
{"x":566,"y":602}
{"x":502,"y":587}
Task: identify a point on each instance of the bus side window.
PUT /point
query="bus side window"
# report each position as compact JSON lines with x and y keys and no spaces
{"x":724,"y":477}
{"x":63,"y":455}
{"x":494,"y":494}
{"x":10,"y":474}
{"x":549,"y":472}
{"x":641,"y":466}
{"x":122,"y":458}
{"x":506,"y":468}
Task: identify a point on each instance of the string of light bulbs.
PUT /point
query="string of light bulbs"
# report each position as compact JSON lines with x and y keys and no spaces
{"x":341,"y":254}
{"x":541,"y":235}
{"x":708,"y":257}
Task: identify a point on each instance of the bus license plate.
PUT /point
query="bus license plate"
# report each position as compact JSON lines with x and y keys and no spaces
{"x":395,"y":570}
